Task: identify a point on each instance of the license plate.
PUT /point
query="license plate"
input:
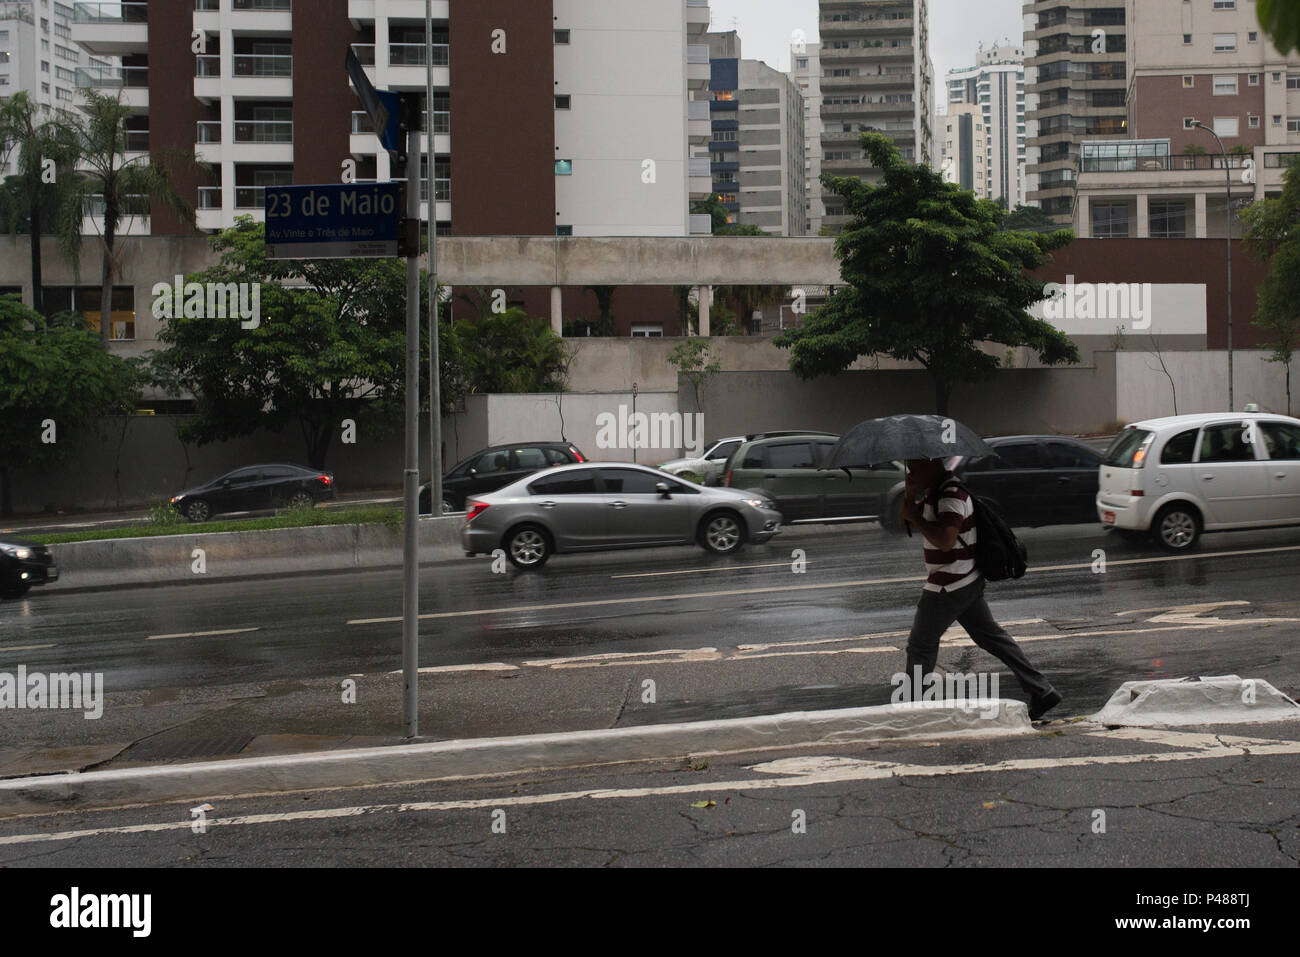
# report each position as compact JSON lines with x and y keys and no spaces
{"x":1108,"y":518}
{"x":52,"y":573}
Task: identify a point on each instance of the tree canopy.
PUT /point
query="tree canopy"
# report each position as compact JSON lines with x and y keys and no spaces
{"x":1272,"y":236}
{"x":1281,"y":21}
{"x":929,"y":274}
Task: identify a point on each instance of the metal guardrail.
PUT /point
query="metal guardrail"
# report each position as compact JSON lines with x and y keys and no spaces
{"x":112,"y":77}
{"x":110,"y":13}
{"x":209,"y":197}
{"x":264,"y":64}
{"x":263,"y":131}
{"x":134,"y":204}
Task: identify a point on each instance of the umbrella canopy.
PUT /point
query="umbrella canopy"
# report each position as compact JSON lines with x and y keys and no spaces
{"x":877,"y":441}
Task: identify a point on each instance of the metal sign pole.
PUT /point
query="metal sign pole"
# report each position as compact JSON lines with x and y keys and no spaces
{"x":411,"y":475}
{"x":435,"y":391}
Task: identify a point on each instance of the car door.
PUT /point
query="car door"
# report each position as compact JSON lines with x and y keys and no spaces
{"x":277,"y":485}
{"x":638,"y":514}
{"x":859,"y":492}
{"x":1230,"y":476}
{"x":1014,"y":480}
{"x":571,"y":507}
{"x":790,"y":479}
{"x":1072,"y":486}
{"x":1282,"y":442}
{"x":240,"y":491}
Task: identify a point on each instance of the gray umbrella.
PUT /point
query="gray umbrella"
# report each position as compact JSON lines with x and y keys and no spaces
{"x":878,"y":441}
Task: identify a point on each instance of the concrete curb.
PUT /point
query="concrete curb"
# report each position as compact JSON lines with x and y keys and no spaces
{"x":483,"y":756}
{"x":167,"y":559}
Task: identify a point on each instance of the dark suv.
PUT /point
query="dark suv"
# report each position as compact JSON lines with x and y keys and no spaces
{"x":24,"y":564}
{"x":786,"y":469}
{"x":490,"y":469}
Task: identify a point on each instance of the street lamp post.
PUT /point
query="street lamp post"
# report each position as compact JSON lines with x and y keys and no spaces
{"x":1228,"y":176}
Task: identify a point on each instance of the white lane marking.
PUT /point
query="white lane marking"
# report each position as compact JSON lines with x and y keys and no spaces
{"x":726,"y":593}
{"x":1182,"y":609}
{"x":201,"y":634}
{"x":809,"y":775}
{"x":696,"y":571}
{"x":25,"y":647}
{"x":616,"y":656}
{"x":827,"y":651}
{"x":438,"y":669}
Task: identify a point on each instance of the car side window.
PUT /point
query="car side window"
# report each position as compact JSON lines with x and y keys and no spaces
{"x":1017,"y":455}
{"x":527,"y":459}
{"x":723,"y":452}
{"x":629,"y":482}
{"x":1226,"y":443}
{"x":555,"y":457}
{"x":577,"y":482}
{"x":1180,"y":449}
{"x":279,"y":473}
{"x":244,"y":475}
{"x":1282,"y":440}
{"x":753,"y":458}
{"x":789,"y":455}
{"x":1064,"y":455}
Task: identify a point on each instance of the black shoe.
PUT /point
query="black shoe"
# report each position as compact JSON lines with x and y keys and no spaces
{"x":1040,"y":706}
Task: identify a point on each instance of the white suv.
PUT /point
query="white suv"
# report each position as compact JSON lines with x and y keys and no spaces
{"x":1177,"y":477}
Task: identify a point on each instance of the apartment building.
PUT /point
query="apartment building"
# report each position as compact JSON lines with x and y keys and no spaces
{"x":771,"y":136}
{"x":964,"y":154}
{"x":1189,"y":62}
{"x":1075,"y":86}
{"x":876,"y":76}
{"x":558,"y":117}
{"x":996,"y":87}
{"x":806,"y":71}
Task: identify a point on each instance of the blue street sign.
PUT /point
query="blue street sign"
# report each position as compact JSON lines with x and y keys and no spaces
{"x":383,"y":106}
{"x":334,"y":220}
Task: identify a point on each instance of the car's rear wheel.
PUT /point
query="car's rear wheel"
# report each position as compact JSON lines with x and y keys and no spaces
{"x":11,"y":590}
{"x":301,"y":499}
{"x":198,"y":510}
{"x":1177,"y":527}
{"x":528,"y":546}
{"x":448,"y":506}
{"x":890,"y":520}
{"x":722,"y":532}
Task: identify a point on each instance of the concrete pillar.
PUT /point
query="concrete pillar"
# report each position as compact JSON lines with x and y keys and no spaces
{"x":557,"y":311}
{"x":706,"y":300}
{"x":1202,"y":229}
{"x":1084,"y":216}
{"x":1143,"y":217}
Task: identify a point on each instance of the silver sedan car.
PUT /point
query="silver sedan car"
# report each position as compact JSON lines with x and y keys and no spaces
{"x":596,"y":506}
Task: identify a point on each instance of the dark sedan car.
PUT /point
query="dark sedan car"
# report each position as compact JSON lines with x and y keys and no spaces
{"x":255,"y":488}
{"x":1037,"y":479}
{"x":490,"y":469}
{"x":24,"y":564}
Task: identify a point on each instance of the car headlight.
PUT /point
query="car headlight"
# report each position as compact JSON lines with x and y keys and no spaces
{"x":18,"y":552}
{"x":758,"y":503}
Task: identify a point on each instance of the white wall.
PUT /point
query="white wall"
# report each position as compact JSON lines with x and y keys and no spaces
{"x":1143,"y":391}
{"x":625,"y":70}
{"x":1170,"y":308}
{"x":514,"y":418}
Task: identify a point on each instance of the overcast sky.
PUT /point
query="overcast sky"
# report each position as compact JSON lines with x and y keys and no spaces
{"x":956,"y":29}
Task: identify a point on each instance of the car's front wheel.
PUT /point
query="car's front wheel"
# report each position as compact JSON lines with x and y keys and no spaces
{"x":722,"y":533}
{"x":198,"y":510}
{"x":528,"y":546}
{"x":1177,"y":527}
{"x":11,"y":590}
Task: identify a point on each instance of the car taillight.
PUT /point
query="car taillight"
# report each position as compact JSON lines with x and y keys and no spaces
{"x":324,"y":478}
{"x":1137,"y":493}
{"x":728,"y":482}
{"x":576,"y":454}
{"x":475,"y":509}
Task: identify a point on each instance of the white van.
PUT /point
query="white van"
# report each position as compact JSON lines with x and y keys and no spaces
{"x":1177,"y":477}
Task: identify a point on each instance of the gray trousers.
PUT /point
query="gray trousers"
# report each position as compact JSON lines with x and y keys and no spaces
{"x":936,"y":613}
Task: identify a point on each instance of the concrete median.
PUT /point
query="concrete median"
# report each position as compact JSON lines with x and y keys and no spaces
{"x":171,"y":559}
{"x":477,"y":757}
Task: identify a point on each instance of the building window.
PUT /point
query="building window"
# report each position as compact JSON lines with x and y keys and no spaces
{"x":1110,"y":221}
{"x":562,"y":102}
{"x":802,"y":63}
{"x":1277,"y":119}
{"x":1252,"y":37}
{"x":1225,"y":86}
{"x":86,"y":300}
{"x":1253,"y":122}
{"x":1293,"y":126}
{"x":1252,"y":79}
{"x":1189,"y":82}
{"x":648,"y":331}
{"x":1187,"y":39}
{"x":1227,"y":126}
{"x":1225,"y":4}
{"x":561,"y":36}
{"x":1293,"y":81}
{"x":564,"y":230}
{"x":1225,"y":42}
{"x":1168,"y":220}
{"x":1189,"y":122}
{"x":564,"y":167}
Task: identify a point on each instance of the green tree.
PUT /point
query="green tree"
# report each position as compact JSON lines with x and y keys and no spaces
{"x":604,"y":325}
{"x":1281,"y":21}
{"x":1030,"y":219}
{"x":56,"y":376}
{"x":30,"y":201}
{"x":1272,"y":236}
{"x":101,"y":143}
{"x":745,"y":300}
{"x":329,"y":344}
{"x":510,"y":353}
{"x":692,"y":360}
{"x":713,"y":208}
{"x":929,"y":276}
{"x":737,"y":229}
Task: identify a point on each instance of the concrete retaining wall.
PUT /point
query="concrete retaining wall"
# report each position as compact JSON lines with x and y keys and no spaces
{"x":1200,"y":382}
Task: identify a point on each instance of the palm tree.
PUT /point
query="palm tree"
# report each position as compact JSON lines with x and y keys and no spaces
{"x":30,"y":200}
{"x":101,"y":136}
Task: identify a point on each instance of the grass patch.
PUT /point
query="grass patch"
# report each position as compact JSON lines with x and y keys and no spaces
{"x":289,"y":518}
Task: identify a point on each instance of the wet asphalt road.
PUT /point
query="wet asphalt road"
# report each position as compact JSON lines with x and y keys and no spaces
{"x":857,"y":580}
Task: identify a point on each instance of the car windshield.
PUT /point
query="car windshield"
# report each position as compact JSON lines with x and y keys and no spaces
{"x":1121,"y":451}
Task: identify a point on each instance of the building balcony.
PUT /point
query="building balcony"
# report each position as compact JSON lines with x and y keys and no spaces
{"x":697,"y":17}
{"x":363,"y":11}
{"x":111,"y":29}
{"x":133,"y":215}
{"x":261,"y":76}
{"x":132,"y":82}
{"x":363,"y":141}
{"x":837,"y":84}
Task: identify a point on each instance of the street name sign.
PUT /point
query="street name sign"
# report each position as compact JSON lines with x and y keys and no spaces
{"x":334,"y":220}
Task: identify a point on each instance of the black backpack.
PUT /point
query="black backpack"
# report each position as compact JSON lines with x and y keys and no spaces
{"x":998,"y":553}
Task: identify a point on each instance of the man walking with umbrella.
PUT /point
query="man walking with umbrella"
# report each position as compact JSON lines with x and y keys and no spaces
{"x":945,"y":515}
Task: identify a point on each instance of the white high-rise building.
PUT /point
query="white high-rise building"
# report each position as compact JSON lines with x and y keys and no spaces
{"x":995,"y":87}
{"x":806,"y":71}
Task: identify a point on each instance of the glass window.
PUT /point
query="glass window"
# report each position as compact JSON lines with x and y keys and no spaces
{"x":527,"y":459}
{"x":1225,"y":85}
{"x":561,"y":36}
{"x":1225,"y":42}
{"x":1066,"y":455}
{"x":631,"y":481}
{"x":1227,"y":126}
{"x":1110,"y":221}
{"x":788,"y":455}
{"x":723,"y":451}
{"x":556,"y":457}
{"x":577,"y":482}
{"x":1168,"y":220}
{"x":1179,"y":449}
{"x":1226,"y":443}
{"x":1124,"y":447}
{"x":1282,"y":440}
{"x":1017,"y":455}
